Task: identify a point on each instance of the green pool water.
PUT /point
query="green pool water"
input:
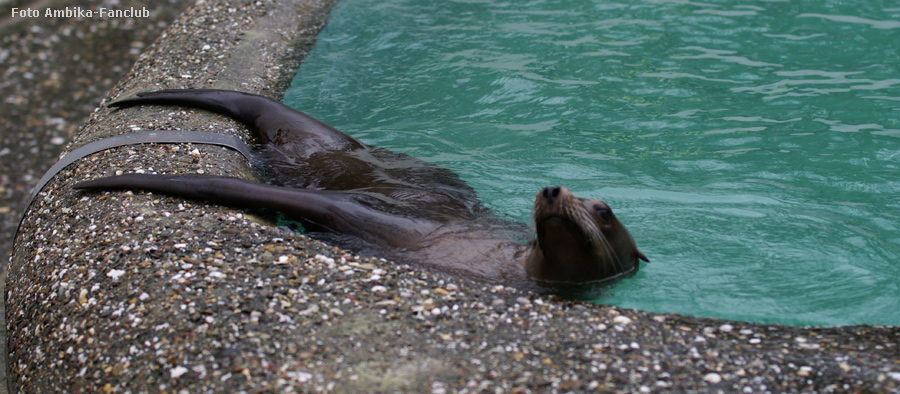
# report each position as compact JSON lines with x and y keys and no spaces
{"x":752,"y":149}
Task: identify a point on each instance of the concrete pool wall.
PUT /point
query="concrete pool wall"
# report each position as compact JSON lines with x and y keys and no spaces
{"x":136,"y":292}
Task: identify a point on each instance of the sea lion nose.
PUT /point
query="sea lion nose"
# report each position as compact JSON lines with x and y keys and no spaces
{"x":550,"y":193}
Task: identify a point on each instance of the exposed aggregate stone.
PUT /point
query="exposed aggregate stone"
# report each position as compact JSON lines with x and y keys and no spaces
{"x":55,"y":71}
{"x":135,"y":292}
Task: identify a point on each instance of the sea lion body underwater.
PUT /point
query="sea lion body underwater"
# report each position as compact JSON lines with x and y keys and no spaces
{"x":379,"y":202}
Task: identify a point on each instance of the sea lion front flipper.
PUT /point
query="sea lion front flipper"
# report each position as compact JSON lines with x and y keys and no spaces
{"x":335,"y":211}
{"x":272,"y":121}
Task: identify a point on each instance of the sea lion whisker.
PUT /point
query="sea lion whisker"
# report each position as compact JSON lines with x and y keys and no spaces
{"x":594,"y":235}
{"x":618,"y":266}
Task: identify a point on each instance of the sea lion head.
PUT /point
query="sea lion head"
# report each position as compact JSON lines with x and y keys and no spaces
{"x":578,"y":240}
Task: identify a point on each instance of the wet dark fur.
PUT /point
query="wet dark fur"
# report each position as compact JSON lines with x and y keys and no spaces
{"x":373,"y":200}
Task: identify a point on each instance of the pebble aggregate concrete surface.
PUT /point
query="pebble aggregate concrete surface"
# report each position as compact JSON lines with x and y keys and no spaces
{"x":130,"y":292}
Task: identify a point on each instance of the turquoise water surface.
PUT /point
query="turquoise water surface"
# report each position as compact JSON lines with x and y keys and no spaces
{"x":751,"y":149}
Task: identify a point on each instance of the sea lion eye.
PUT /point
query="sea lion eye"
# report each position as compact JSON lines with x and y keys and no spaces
{"x":604,"y":213}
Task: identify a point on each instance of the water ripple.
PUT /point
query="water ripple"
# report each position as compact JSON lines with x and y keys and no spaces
{"x":855,"y":128}
{"x":723,"y":55}
{"x":727,"y":12}
{"x":758,"y":119}
{"x":673,"y":75}
{"x":855,"y":19}
{"x":797,"y":87}
{"x":794,"y":37}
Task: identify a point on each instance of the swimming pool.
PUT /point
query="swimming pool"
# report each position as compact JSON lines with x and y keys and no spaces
{"x":752,"y":150}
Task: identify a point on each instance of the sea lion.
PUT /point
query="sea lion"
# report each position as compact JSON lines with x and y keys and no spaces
{"x":379,"y":202}
{"x":572,"y":235}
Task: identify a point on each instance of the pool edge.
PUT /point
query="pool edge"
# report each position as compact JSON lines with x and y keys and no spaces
{"x":531,"y":342}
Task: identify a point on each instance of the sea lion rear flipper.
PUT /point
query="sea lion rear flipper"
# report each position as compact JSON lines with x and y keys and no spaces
{"x":237,"y":105}
{"x":272,"y":121}
{"x":335,"y":211}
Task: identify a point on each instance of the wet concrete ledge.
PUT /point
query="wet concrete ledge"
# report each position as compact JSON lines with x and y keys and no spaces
{"x":134,"y":292}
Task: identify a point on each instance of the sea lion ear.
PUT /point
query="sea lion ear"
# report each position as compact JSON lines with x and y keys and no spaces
{"x":640,"y":255}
